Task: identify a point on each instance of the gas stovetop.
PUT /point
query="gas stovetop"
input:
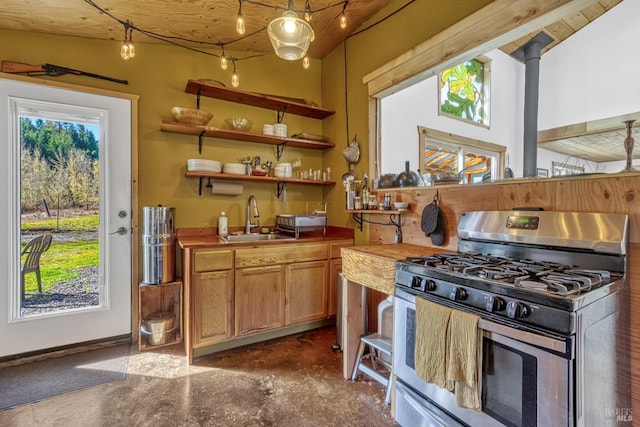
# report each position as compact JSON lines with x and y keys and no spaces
{"x":540,"y":276}
{"x":532,"y":268}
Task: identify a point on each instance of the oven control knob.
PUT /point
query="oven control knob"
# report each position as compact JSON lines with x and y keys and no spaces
{"x":416,"y":282}
{"x":429,"y":285}
{"x":517,"y":310}
{"x":457,"y":294}
{"x":493,"y":304}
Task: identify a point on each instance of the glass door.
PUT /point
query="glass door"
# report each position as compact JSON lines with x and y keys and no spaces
{"x":67,"y":225}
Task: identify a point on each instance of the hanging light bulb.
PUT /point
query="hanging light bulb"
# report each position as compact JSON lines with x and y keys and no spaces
{"x":240,"y":27}
{"x":223,"y":60}
{"x":132,"y":48}
{"x":290,"y":36}
{"x":343,"y":20}
{"x":124,"y":50}
{"x":305,"y":62}
{"x":235,"y":80}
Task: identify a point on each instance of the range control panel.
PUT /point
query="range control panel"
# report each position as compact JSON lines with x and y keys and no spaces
{"x":523,"y":222}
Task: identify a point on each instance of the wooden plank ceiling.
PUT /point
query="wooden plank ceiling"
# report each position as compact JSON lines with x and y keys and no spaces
{"x":195,"y":23}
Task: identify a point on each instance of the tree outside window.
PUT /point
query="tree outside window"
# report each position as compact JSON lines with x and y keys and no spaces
{"x":464,"y":91}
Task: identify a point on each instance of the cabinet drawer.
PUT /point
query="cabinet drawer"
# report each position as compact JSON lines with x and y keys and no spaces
{"x":334,"y":248}
{"x":210,"y":260}
{"x":280,"y":254}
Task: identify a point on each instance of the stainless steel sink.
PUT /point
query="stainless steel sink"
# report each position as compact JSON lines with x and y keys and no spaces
{"x":255,"y":237}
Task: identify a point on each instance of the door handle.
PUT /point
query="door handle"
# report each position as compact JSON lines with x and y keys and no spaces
{"x":121,"y":231}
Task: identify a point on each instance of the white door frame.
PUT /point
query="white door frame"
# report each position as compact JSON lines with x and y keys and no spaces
{"x":118,"y":315}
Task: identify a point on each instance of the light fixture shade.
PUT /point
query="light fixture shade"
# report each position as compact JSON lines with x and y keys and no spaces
{"x":290,"y":36}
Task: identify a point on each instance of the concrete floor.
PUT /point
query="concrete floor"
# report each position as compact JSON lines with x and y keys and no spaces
{"x":291,"y":381}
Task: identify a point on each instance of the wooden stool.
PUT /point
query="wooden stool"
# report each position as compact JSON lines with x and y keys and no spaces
{"x":375,"y":342}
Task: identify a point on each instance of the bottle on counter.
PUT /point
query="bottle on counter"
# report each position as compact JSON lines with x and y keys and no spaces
{"x":365,"y":192}
{"x":223,"y":228}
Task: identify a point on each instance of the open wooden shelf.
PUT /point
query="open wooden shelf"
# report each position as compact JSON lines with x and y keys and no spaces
{"x":256,"y":178}
{"x":281,"y":182}
{"x":236,"y":135}
{"x":256,"y":99}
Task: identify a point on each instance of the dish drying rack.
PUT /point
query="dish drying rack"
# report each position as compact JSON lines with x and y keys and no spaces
{"x":295,"y":223}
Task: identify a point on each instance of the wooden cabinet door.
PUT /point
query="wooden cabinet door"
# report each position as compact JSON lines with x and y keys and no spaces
{"x":213,"y":307}
{"x":306,"y":287}
{"x":335,"y":267}
{"x":259,"y":299}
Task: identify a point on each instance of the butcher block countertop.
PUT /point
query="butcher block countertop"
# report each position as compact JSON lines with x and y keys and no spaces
{"x":374,"y":266}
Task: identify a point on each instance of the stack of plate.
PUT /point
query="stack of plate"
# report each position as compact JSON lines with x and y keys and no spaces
{"x":203,"y":165}
{"x":280,"y":129}
{"x":234,"y":168}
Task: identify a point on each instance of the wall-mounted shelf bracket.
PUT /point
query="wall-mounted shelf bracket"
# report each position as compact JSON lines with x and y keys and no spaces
{"x":358,"y":218}
{"x":281,"y":112}
{"x":200,"y":141}
{"x":280,"y":149}
{"x":281,"y":187}
{"x":198,"y":97}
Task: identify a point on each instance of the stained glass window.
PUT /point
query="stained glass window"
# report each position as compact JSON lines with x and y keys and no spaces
{"x":464,"y":91}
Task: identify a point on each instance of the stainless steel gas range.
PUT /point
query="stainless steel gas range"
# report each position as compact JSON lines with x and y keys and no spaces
{"x":549,"y":288}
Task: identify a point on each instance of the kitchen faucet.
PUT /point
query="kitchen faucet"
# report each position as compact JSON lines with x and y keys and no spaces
{"x":256,"y":214}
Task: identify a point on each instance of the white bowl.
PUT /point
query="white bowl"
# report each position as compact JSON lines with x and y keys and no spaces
{"x":234,"y":168}
{"x":401,"y":206}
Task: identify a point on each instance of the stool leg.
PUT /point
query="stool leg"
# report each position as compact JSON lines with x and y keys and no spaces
{"x":374,"y":358}
{"x":358,"y":360}
{"x":387,"y":397}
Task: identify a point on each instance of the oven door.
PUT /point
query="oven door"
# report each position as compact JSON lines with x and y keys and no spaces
{"x":526,"y":377}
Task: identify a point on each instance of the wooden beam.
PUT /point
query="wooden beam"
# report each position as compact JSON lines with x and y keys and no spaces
{"x":493,"y":26}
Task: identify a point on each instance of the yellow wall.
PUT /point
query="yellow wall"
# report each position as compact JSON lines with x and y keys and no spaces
{"x":158,"y":75}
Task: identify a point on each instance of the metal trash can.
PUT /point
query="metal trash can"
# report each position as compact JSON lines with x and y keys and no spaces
{"x":158,"y":245}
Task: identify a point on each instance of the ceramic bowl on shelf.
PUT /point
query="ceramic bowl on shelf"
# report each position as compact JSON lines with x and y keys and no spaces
{"x":191,"y":116}
{"x":401,"y":206}
{"x":234,"y":168}
{"x":239,"y":123}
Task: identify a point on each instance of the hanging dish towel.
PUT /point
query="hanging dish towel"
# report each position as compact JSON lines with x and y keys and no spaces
{"x":464,"y":360}
{"x":432,"y":326}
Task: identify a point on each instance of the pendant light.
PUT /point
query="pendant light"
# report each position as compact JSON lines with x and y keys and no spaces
{"x":290,"y":36}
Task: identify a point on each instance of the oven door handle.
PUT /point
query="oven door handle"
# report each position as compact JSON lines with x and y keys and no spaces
{"x":490,"y":329}
{"x":424,"y":413}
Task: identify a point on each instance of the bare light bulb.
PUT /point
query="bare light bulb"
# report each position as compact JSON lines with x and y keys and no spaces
{"x":235,"y":81}
{"x":343,"y":21}
{"x":223,"y":62}
{"x":124,"y":50}
{"x":240,"y":27}
{"x":305,"y":62}
{"x":290,"y":26}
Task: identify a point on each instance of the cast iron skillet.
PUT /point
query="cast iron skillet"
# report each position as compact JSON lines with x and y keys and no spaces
{"x":432,"y":222}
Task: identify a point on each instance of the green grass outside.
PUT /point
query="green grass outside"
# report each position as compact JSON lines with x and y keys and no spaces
{"x":78,"y":223}
{"x":64,"y":260}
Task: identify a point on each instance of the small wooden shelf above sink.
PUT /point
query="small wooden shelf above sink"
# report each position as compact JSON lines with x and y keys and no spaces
{"x":281,"y":182}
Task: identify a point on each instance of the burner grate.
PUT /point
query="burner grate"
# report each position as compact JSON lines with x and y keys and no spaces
{"x":545,"y":276}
